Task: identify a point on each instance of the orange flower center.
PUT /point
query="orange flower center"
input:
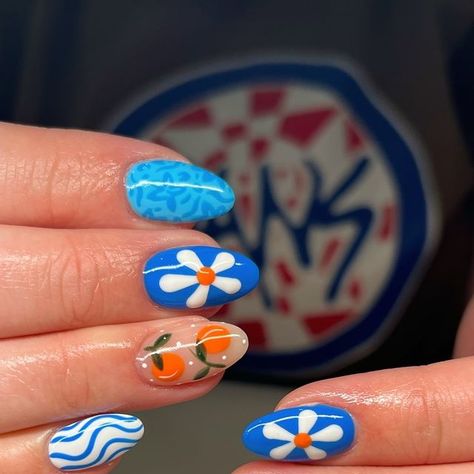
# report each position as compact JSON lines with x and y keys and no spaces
{"x":206,"y":276}
{"x":302,"y":440}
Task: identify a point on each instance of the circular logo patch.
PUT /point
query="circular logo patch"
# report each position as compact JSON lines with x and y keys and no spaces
{"x":330,"y":202}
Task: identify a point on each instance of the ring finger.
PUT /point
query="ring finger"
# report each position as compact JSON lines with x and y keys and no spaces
{"x":66,"y":375}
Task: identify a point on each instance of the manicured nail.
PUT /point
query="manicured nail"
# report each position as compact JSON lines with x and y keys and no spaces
{"x":175,"y":191}
{"x":301,"y":434}
{"x":190,"y":351}
{"x":94,"y":441}
{"x":193,"y":277}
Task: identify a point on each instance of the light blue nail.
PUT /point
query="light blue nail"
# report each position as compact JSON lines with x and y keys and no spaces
{"x":308,"y":433}
{"x":94,"y":441}
{"x":176,"y":192}
{"x":198,"y":276}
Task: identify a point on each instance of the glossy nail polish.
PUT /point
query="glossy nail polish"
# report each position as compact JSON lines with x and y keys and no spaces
{"x":94,"y":441}
{"x":194,"y":277}
{"x":190,"y":350}
{"x":308,"y":433}
{"x":174,"y":191}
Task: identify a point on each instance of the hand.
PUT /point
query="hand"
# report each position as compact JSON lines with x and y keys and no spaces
{"x":79,"y":336}
{"x":415,"y":420}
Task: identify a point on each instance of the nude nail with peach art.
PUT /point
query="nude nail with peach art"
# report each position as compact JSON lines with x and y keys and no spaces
{"x":190,"y":351}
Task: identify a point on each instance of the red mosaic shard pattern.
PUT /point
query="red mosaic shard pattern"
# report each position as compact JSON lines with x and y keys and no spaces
{"x":255,"y":330}
{"x":198,"y":117}
{"x":354,"y":140}
{"x":265,"y":101}
{"x":259,"y":148}
{"x":302,"y":128}
{"x":234,"y":131}
{"x":355,"y":290}
{"x":329,"y":252}
{"x":216,"y":159}
{"x":387,"y":225}
{"x":323,"y":322}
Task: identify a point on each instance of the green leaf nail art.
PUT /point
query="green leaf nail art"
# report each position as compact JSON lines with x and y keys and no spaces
{"x":169,"y":362}
{"x":161,"y":341}
{"x":216,"y":366}
{"x":202,"y":373}
{"x":157,"y":360}
{"x":201,"y":352}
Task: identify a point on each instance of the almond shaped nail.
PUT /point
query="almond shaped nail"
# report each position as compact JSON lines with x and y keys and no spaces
{"x":174,"y":191}
{"x":190,"y":351}
{"x":198,"y":276}
{"x":305,"y":433}
{"x":94,"y":441}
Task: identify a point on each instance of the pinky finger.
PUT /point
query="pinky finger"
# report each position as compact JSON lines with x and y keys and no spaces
{"x":92,"y":445}
{"x":284,"y":468}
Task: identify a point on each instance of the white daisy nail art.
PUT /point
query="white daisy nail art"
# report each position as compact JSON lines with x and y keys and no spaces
{"x":205,"y":277}
{"x":198,"y":276}
{"x":302,"y":439}
{"x":301,"y":433}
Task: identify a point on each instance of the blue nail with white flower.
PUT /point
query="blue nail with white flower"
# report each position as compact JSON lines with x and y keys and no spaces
{"x":310,"y":433}
{"x":198,"y":276}
{"x":163,"y":190}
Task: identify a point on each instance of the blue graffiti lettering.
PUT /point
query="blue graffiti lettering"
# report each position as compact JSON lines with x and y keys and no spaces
{"x":321,"y":213}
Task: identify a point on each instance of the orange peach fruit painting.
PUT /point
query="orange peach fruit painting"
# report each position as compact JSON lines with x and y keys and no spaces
{"x":169,"y":366}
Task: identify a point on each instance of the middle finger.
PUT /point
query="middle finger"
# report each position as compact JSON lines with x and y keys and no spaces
{"x":55,"y":280}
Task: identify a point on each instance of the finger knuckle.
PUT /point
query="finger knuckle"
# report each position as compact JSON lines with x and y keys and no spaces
{"x":73,"y":177}
{"x":76,"y":282}
{"x":424,"y":417}
{"x":72,"y":379}
{"x":63,"y":186}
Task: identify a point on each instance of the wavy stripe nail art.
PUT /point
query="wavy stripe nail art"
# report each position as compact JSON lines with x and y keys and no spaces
{"x":94,"y":441}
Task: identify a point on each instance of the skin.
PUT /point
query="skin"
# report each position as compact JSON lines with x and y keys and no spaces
{"x":74,"y":312}
{"x":412,"y":420}
{"x":78,"y":339}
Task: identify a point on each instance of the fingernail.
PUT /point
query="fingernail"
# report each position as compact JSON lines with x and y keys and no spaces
{"x":94,"y":441}
{"x":190,"y":351}
{"x":194,"y":277}
{"x":174,"y":191}
{"x":308,"y":433}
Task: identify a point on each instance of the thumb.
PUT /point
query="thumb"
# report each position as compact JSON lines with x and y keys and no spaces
{"x":407,"y":416}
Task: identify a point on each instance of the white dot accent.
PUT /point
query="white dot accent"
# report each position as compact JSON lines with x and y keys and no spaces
{"x":178,"y":344}
{"x":224,"y":357}
{"x":191,"y":362}
{"x":144,"y":365}
{"x":162,"y":330}
{"x":244,"y":341}
{"x":193,"y":325}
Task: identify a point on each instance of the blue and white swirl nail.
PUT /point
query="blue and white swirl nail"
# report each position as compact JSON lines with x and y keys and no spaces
{"x":94,"y":441}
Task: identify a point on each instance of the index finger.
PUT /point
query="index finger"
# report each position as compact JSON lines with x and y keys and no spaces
{"x":76,"y":179}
